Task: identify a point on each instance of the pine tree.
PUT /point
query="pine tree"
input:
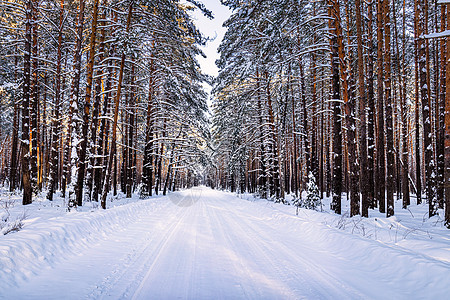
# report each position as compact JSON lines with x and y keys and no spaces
{"x":312,"y":200}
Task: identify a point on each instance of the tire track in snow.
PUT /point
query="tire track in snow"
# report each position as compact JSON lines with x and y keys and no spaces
{"x":226,"y":242}
{"x":298,"y":262}
{"x":158,"y":251}
{"x":129,"y":270}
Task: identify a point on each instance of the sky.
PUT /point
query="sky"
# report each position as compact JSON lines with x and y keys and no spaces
{"x":213,"y":29}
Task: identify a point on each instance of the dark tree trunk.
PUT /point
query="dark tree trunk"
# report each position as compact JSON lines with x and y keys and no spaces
{"x":73,"y":110}
{"x":263,"y":175}
{"x":336,"y":98}
{"x":87,"y":106}
{"x":321,"y":170}
{"x":130,"y":165}
{"x":275,"y":174}
{"x":305,"y":120}
{"x":447,"y":133}
{"x":160,"y":158}
{"x":112,"y":157}
{"x":15,"y":137}
{"x":350,"y":109}
{"x":417,"y":103}
{"x":100,"y":149}
{"x":426,"y":117}
{"x":34,"y":100}
{"x":380,"y":177}
{"x":25,"y":142}
{"x":55,"y":122}
{"x":440,"y":128}
{"x":362,"y":115}
{"x":389,"y":112}
{"x":147,"y":168}
{"x":404,"y":112}
{"x":370,"y":115}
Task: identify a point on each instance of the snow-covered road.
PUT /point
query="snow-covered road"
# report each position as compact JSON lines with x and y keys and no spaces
{"x":206,"y":244}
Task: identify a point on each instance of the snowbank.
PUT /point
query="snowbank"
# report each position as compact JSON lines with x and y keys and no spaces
{"x":403,"y":257}
{"x":50,"y":233}
{"x":409,"y":252}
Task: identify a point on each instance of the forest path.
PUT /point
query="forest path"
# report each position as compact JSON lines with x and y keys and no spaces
{"x":206,"y":244}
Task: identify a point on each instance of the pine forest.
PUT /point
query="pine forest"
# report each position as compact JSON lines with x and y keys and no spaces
{"x":341,"y":99}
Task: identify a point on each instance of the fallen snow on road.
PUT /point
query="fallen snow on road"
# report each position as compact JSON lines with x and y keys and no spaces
{"x":206,"y":244}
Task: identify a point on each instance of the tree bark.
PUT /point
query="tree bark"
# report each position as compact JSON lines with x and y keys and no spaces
{"x":440,"y":118}
{"x":426,"y":117}
{"x":404,"y":112}
{"x":147,"y":168}
{"x":25,"y":142}
{"x":56,"y":122}
{"x":381,"y":173}
{"x":34,"y":100}
{"x":362,"y":115}
{"x":87,"y":105}
{"x":370,"y":114}
{"x":263,"y":175}
{"x":72,"y":128}
{"x":116,"y":114}
{"x":389,"y":112}
{"x":447,"y":132}
{"x":131,"y":166}
{"x":334,"y":12}
{"x":15,"y":137}
{"x":352,"y":152}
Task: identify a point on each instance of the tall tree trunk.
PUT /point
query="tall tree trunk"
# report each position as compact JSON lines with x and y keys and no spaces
{"x":447,"y":131}
{"x":34,"y":100}
{"x":131,"y":126}
{"x":123,"y":168}
{"x":439,"y":112}
{"x":370,"y":114}
{"x":305,"y":122}
{"x":322,"y":145}
{"x":43,"y":144}
{"x":15,"y":136}
{"x":275,"y":164}
{"x":93,"y":179}
{"x":25,"y":142}
{"x":405,"y":127}
{"x":314,"y":158}
{"x":351,"y":127}
{"x":87,"y":105}
{"x":380,"y":177}
{"x":104,"y":127}
{"x":56,"y":122}
{"x":426,"y":117}
{"x":345,"y":90}
{"x":362,"y":115}
{"x":417,"y":105}
{"x":390,"y":186}
{"x":147,"y":168}
{"x":72,"y":128}
{"x":169,"y":167}
{"x":263,"y":175}
{"x":116,"y":115}
{"x":440,"y":128}
{"x":334,"y":12}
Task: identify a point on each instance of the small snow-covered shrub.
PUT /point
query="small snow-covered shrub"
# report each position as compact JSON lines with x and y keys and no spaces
{"x":312,"y":200}
{"x":7,"y":225}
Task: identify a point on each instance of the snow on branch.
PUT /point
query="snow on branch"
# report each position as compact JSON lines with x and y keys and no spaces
{"x":436,"y":35}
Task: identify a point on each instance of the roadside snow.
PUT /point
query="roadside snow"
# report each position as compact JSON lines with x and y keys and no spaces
{"x":51,"y":234}
{"x":207,"y":244}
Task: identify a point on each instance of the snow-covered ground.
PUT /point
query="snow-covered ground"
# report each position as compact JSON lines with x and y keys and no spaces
{"x":206,"y":244}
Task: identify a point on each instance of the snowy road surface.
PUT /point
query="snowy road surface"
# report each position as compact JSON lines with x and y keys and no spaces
{"x":206,"y":244}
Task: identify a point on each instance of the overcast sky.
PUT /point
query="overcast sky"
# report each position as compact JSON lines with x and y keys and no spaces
{"x":212,"y":28}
